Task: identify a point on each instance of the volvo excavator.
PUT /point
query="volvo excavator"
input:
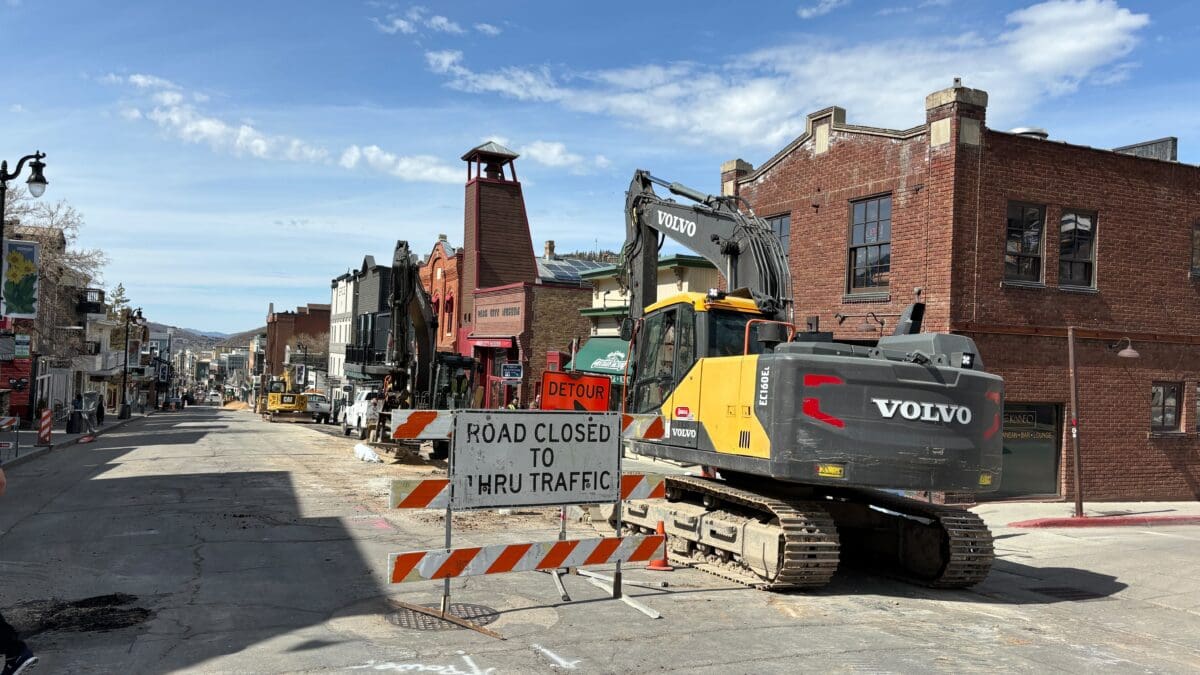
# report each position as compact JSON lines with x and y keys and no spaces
{"x":807,"y":443}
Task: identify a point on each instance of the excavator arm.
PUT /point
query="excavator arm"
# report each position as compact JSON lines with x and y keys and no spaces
{"x":740,"y":245}
{"x":413,"y":338}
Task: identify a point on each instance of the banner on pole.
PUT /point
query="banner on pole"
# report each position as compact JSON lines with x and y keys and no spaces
{"x":20,"y":277}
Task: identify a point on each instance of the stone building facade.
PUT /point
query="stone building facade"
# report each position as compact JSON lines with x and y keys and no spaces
{"x":1011,"y":237}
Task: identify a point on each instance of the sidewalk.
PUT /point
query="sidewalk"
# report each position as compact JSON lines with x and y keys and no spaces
{"x":1096,"y":514}
{"x":27,"y":448}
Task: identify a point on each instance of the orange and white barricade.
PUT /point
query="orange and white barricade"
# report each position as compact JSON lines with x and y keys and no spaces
{"x":420,"y":425}
{"x":647,"y":426}
{"x":434,"y":493}
{"x":502,"y":558}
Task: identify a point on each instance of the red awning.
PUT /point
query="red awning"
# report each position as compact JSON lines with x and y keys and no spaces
{"x":500,"y":342}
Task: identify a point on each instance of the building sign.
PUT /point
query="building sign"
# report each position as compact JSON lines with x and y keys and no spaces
{"x":20,"y":277}
{"x":518,"y":458}
{"x":511,"y":371}
{"x":614,"y":360}
{"x":21,"y":346}
{"x":575,"y":391}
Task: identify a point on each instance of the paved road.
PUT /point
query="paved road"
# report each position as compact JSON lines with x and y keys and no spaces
{"x":211,"y":541}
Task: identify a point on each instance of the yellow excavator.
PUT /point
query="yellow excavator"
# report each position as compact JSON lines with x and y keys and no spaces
{"x":807,"y":444}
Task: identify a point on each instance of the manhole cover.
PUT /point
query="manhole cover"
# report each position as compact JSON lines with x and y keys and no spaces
{"x":1066,"y":593}
{"x":476,"y":614}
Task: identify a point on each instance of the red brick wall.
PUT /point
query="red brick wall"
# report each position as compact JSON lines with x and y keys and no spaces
{"x":948,"y":231}
{"x":555,"y":321}
{"x":505,"y":247}
{"x":817,"y":189}
{"x":1121,"y":459}
{"x":1145,"y":211}
{"x":445,"y":292}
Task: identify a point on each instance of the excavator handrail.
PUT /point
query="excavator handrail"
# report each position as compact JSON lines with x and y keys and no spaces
{"x":746,"y":341}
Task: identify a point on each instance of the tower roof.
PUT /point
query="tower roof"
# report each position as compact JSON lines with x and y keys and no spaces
{"x":491,"y":148}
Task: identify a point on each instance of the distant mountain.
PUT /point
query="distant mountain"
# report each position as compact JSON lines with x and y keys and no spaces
{"x":241,"y":339}
{"x":208,"y":333}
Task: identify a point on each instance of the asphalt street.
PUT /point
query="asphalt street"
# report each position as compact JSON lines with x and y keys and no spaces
{"x":211,"y":541}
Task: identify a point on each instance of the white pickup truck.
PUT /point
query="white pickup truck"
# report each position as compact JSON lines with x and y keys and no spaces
{"x":360,"y":412}
{"x":318,"y":406}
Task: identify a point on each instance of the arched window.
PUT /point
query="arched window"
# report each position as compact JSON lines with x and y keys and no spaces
{"x":449,"y":318}
{"x":436,"y":303}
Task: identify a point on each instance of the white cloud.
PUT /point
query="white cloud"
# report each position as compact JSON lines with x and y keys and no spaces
{"x":821,"y":8}
{"x":150,"y":82}
{"x":168,"y":98}
{"x":394,"y":24}
{"x":444,"y":25}
{"x":487,"y":29}
{"x":552,"y":154}
{"x":131,"y":113}
{"x":761,"y":98}
{"x":414,"y":168}
{"x":186,"y":123}
{"x":602,"y":162}
{"x":16,"y":108}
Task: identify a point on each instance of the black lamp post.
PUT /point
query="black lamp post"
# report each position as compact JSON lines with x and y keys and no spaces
{"x":37,"y":185}
{"x":125,"y":411}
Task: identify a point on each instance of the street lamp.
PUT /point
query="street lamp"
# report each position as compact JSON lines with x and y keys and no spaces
{"x":125,"y":411}
{"x":1127,"y":353}
{"x":37,"y":185}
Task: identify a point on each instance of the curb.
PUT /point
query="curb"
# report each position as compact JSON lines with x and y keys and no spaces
{"x":17,"y":461}
{"x":1109,"y":521}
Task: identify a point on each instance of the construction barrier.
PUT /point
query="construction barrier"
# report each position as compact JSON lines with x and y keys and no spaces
{"x":7,"y":423}
{"x":420,"y":425}
{"x":434,"y":493}
{"x":503,"y":558}
{"x":45,"y":426}
{"x":646,"y":426}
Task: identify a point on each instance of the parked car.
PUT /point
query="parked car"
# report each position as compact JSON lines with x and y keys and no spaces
{"x":318,"y":406}
{"x":214,"y":398}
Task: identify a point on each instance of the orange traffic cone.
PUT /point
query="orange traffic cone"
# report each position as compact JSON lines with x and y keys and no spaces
{"x":661,"y":564}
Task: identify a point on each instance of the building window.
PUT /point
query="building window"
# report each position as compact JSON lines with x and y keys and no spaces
{"x":1164,"y":406}
{"x":1196,"y":250}
{"x":1077,"y":249}
{"x":782,"y":227}
{"x":870,"y":262}
{"x":1023,"y":244}
{"x":450,"y":316}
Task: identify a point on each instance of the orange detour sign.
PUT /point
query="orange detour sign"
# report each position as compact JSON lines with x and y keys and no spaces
{"x":563,"y":390}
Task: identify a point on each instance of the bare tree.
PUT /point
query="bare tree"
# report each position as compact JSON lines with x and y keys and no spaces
{"x":315,"y":347}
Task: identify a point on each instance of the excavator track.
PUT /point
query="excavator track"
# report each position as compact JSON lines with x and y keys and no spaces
{"x":930,"y":544}
{"x":759,"y":541}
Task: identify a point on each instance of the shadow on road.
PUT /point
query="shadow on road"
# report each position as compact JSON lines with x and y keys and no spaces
{"x":211,"y":563}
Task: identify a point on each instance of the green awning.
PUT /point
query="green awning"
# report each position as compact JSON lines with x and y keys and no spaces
{"x":601,"y":355}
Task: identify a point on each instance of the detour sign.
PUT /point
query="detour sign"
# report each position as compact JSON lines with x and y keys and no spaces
{"x":575,"y":391}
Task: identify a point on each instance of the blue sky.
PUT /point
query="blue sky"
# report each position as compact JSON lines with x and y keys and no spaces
{"x":231,"y":154}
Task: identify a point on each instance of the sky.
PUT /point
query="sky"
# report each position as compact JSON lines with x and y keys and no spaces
{"x":227,"y":155}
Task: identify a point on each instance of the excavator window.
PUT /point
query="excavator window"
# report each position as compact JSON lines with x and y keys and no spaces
{"x":727,"y":333}
{"x":666,"y":350}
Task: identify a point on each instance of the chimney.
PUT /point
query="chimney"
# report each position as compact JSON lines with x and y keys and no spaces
{"x":442,"y":237}
{"x":549,"y":249}
{"x":955,"y":114}
{"x":731,"y":171}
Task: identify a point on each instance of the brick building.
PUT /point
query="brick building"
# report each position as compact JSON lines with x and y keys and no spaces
{"x":312,"y":319}
{"x":959,"y":210}
{"x":440,"y":275}
{"x":515,"y":308}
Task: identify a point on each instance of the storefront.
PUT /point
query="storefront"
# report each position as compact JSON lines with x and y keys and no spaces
{"x":605,"y":356}
{"x":496,"y":358}
{"x":1032,"y":433}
